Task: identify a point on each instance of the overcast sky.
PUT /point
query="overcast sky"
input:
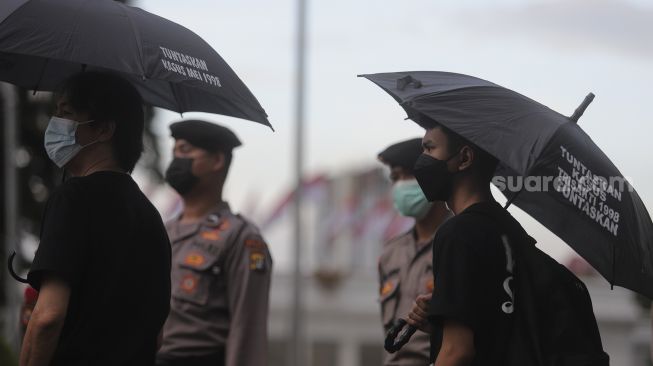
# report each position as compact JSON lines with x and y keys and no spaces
{"x":552,"y":51}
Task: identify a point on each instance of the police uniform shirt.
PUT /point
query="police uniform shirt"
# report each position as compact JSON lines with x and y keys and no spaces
{"x":473,"y":282}
{"x":106,"y":240}
{"x":405,"y":271}
{"x":220,"y":287}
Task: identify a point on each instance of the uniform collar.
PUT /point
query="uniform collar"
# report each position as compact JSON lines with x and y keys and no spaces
{"x":211,"y":219}
{"x":423,"y":246}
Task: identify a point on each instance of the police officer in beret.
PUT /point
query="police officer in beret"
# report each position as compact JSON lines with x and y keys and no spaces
{"x":405,"y":265}
{"x":221,"y":264}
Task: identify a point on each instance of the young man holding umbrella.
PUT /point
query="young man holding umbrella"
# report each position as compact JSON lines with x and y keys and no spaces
{"x":405,"y":265}
{"x":469,"y":314}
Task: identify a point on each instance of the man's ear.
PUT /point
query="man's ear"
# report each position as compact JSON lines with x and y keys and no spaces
{"x":467,"y":157}
{"x":107,"y":129}
{"x":219,"y":161}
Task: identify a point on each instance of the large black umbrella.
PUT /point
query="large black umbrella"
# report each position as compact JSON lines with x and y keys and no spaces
{"x":44,"y":41}
{"x":549,"y":167}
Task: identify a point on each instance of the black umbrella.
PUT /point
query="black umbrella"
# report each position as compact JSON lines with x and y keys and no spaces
{"x":44,"y":41}
{"x":549,"y":167}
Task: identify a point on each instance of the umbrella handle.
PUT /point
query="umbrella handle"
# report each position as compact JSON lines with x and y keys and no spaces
{"x":397,"y":336}
{"x":11,"y":269}
{"x":582,"y":107}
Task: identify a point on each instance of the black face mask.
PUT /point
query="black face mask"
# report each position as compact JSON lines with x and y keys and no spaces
{"x":180,"y":175}
{"x":433,"y":177}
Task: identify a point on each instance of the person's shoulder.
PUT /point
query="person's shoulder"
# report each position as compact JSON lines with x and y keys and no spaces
{"x":247,"y":225}
{"x":91,"y":184}
{"x":478,"y":217}
{"x":394,"y":244}
{"x":249,"y":230}
{"x":399,"y":239}
{"x":252,"y":244}
{"x":467,"y":228}
{"x":69,"y":192}
{"x":460,"y":224}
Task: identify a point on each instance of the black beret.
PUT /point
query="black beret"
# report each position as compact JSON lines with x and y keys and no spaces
{"x":205,"y":135}
{"x":402,"y":154}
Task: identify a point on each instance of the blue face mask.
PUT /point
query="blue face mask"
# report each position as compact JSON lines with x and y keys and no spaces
{"x":409,"y":199}
{"x":59,"y":140}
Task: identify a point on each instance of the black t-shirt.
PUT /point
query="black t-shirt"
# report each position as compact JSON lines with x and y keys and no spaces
{"x":472,"y":282}
{"x":102,"y":236}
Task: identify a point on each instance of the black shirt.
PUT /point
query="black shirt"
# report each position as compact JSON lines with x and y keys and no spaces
{"x":472,"y":282}
{"x":106,"y":240}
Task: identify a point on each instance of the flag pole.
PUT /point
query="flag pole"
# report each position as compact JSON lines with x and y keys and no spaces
{"x":296,"y":344}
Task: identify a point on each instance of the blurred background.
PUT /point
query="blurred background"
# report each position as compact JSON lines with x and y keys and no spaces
{"x":553,"y":51}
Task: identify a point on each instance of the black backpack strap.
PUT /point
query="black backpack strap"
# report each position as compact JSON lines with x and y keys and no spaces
{"x":524,"y":346}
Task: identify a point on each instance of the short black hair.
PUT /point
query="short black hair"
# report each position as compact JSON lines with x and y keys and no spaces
{"x":485,"y":163}
{"x":228,"y":157}
{"x":108,"y":97}
{"x":402,"y":154}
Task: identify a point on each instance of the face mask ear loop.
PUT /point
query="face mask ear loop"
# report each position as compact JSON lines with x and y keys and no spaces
{"x":451,"y":157}
{"x":92,"y":142}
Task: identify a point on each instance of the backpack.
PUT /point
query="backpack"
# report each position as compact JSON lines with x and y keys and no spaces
{"x":554,"y":323}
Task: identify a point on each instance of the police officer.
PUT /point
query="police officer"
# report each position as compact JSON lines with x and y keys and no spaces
{"x":405,"y":265}
{"x":221,"y":265}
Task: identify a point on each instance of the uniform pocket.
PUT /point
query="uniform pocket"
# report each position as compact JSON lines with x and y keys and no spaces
{"x":388,"y":297}
{"x":196,"y":270}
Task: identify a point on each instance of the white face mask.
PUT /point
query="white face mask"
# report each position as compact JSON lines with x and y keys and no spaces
{"x":59,"y":140}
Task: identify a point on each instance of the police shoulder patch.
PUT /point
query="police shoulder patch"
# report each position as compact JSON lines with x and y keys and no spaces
{"x":255,"y":244}
{"x":257,"y":261}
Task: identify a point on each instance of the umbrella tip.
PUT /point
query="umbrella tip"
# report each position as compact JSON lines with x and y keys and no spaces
{"x":582,"y":107}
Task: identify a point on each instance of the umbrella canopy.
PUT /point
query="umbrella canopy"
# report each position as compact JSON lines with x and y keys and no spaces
{"x":549,"y":167}
{"x":44,"y":41}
